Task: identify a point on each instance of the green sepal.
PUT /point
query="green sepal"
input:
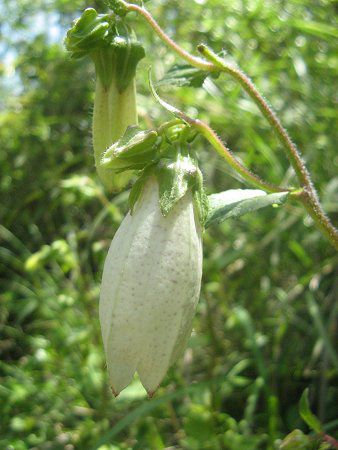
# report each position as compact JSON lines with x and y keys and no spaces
{"x":173,"y":181}
{"x":118,"y":7}
{"x":128,"y":53}
{"x":137,"y":188}
{"x":88,"y":32}
{"x":133,"y":151}
{"x":104,"y":61}
{"x":201,"y":198}
{"x":177,"y":172}
{"x":111,"y":44}
{"x":297,"y":440}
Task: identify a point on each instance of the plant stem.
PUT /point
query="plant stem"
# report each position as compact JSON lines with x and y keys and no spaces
{"x":227,"y":154}
{"x":268,"y":113}
{"x":308,"y":196}
{"x":162,"y":128}
{"x":193,"y":60}
{"x":217,"y":143}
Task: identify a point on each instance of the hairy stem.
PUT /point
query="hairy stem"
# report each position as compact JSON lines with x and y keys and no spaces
{"x":216,"y":142}
{"x":193,"y":60}
{"x":227,"y":154}
{"x":309,"y":197}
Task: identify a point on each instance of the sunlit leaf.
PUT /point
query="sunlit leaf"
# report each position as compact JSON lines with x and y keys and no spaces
{"x":307,"y":414}
{"x":237,"y":202}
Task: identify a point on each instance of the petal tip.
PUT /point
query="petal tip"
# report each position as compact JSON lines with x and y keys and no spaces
{"x":151,"y":392}
{"x":115,"y":393}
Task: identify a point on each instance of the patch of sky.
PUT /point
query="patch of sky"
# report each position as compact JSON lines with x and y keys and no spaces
{"x":13,"y":35}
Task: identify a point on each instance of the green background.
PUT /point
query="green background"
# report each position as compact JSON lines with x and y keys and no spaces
{"x":266,"y":323}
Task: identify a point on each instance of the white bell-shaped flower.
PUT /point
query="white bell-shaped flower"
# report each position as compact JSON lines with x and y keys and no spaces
{"x":150,"y":288}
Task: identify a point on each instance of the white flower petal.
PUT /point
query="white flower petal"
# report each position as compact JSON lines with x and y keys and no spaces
{"x":150,"y":288}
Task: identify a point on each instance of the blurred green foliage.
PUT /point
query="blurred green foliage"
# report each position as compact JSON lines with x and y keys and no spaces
{"x":266,"y":324}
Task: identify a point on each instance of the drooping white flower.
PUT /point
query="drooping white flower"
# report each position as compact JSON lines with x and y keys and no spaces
{"x":150,"y":288}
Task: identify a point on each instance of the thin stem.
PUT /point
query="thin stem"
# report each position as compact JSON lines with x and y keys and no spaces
{"x":162,"y":128}
{"x":269,"y":114}
{"x":308,"y":197}
{"x":217,"y":143}
{"x":193,"y":60}
{"x":227,"y":154}
{"x":330,"y":440}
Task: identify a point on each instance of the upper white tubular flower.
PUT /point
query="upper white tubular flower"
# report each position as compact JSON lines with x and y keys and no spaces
{"x":150,"y":288}
{"x":112,"y":45}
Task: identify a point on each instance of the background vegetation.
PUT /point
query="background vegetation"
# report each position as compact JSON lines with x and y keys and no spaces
{"x":267,"y":319}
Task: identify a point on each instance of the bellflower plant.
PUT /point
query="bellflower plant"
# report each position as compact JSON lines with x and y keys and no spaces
{"x":152,"y":274}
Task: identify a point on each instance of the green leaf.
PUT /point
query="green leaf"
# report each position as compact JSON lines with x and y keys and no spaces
{"x":145,"y":408}
{"x":296,"y":440}
{"x":170,"y":108}
{"x":322,"y":30}
{"x":183,"y":75}
{"x":237,"y":202}
{"x":306,"y":413}
{"x":319,"y":323}
{"x":134,"y":151}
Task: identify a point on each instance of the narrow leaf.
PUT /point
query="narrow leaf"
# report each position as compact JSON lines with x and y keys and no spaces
{"x":170,"y":108}
{"x":237,"y":202}
{"x":183,"y":75}
{"x":322,"y":30}
{"x":306,"y":413}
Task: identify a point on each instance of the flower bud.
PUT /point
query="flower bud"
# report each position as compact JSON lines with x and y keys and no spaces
{"x":150,"y":288}
{"x":113,"y":47}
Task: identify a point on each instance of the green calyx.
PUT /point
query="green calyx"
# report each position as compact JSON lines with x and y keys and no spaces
{"x":110,"y":42}
{"x":118,"y":7}
{"x":88,"y":33}
{"x":128,"y":52}
{"x":177,"y":172}
{"x":133,"y":151}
